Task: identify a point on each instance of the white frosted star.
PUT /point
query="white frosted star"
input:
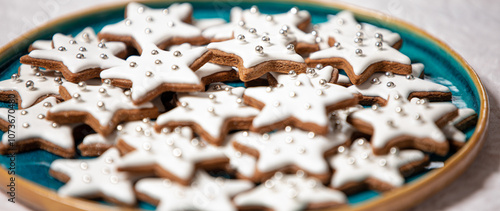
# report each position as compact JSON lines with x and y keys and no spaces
{"x":358,"y":163}
{"x":32,"y":125}
{"x":221,"y":104}
{"x":205,"y":193}
{"x":157,"y":71}
{"x":99,"y":176}
{"x":42,"y":86}
{"x":176,"y":153}
{"x":158,"y":26}
{"x":415,"y":119}
{"x":290,"y":192}
{"x":79,"y":59}
{"x":299,"y":99}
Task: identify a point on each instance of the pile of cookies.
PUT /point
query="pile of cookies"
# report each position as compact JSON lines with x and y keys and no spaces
{"x":175,"y":127}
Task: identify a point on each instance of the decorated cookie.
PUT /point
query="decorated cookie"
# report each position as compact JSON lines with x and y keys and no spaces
{"x":157,"y":71}
{"x":162,"y":27}
{"x":290,"y":150}
{"x":205,"y":193}
{"x":225,"y":31}
{"x":41,"y":45}
{"x":466,"y":117}
{"x":211,"y":114}
{"x":174,"y":155}
{"x":240,"y":164}
{"x":297,"y":101}
{"x":77,"y":60}
{"x":33,"y":131}
{"x":356,"y":167}
{"x":94,"y":178}
{"x":360,"y":59}
{"x":378,"y":87}
{"x":404,"y":124}
{"x":343,"y":27}
{"x":101,"y":107}
{"x":326,"y":74}
{"x":256,"y":53}
{"x":30,"y":86}
{"x":290,"y":192}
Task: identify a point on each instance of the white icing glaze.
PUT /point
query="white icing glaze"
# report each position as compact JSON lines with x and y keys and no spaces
{"x":359,"y":163}
{"x":343,"y":79}
{"x":242,"y":163}
{"x":176,"y":152}
{"x":451,"y":132}
{"x":206,"y":192}
{"x":275,"y":49}
{"x":306,"y":104}
{"x":203,"y":24}
{"x":163,"y":67}
{"x":371,"y":54}
{"x":343,"y":28}
{"x":42,"y":45}
{"x":289,"y":192}
{"x":114,"y":99}
{"x":90,"y":177}
{"x":224,"y":107}
{"x":43,"y":86}
{"x":378,"y":85}
{"x":91,"y":54}
{"x":153,"y":25}
{"x":300,"y":148}
{"x":30,"y":126}
{"x":388,"y":123}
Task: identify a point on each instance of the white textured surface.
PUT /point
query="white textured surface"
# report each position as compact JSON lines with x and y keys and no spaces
{"x":469,"y":27}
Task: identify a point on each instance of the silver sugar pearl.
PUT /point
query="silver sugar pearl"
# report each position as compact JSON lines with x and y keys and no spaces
{"x":390,"y":84}
{"x":359,"y":52}
{"x":132,"y":64}
{"x":290,"y":47}
{"x":259,"y":49}
{"x":103,"y":56}
{"x":177,"y":54}
{"x":61,"y":48}
{"x":379,"y":45}
{"x":175,"y":67}
{"x":82,"y":49}
{"x":80,"y":56}
{"x":30,"y":85}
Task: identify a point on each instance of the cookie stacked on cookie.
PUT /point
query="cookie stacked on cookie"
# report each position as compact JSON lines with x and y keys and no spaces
{"x":250,"y":114}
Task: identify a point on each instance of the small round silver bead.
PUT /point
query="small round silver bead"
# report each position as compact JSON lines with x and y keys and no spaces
{"x":252,"y":31}
{"x":379,"y":45}
{"x":154,"y":52}
{"x":379,"y":36}
{"x":147,"y":31}
{"x":175,"y":67}
{"x":337,"y":45}
{"x":390,"y":84}
{"x":30,"y":85}
{"x":375,"y":81}
{"x":177,"y":54}
{"x":80,"y":56}
{"x":241,"y":37}
{"x":359,"y":52}
{"x":82,"y":85}
{"x":259,"y":49}
{"x":290,"y":47}
{"x":158,"y":61}
{"x":101,"y":45}
{"x":61,"y":48}
{"x":103,"y":56}
{"x":82,"y":49}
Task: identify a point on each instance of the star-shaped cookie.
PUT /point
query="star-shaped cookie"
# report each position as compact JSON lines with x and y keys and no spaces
{"x":257,"y":53}
{"x":357,"y":166}
{"x":298,"y":101}
{"x":360,"y":60}
{"x":102,"y":107}
{"x":205,"y":193}
{"x":404,"y":124}
{"x":162,"y":27}
{"x":157,"y":71}
{"x":90,"y":178}
{"x":175,"y":155}
{"x":221,"y":104}
{"x":290,"y":150}
{"x":33,"y":131}
{"x":290,"y":192}
{"x":378,"y":87}
{"x":77,"y":60}
{"x":30,"y":86}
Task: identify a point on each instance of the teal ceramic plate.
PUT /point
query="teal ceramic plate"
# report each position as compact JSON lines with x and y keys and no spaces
{"x":35,"y":187}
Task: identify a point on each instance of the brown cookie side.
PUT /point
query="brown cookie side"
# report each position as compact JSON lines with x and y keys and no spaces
{"x":431,"y":96}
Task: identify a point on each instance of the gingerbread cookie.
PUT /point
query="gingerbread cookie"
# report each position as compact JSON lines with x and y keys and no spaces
{"x":221,"y":104}
{"x":162,"y":27}
{"x":298,"y":102}
{"x":77,"y":60}
{"x":101,"y":107}
{"x":34,"y":131}
{"x":175,"y":155}
{"x":453,"y":130}
{"x":95,"y":178}
{"x":357,"y":168}
{"x":404,"y":124}
{"x":255,"y":54}
{"x":205,"y":193}
{"x":377,"y":88}
{"x":290,"y":150}
{"x":343,"y":27}
{"x":360,"y":59}
{"x":240,"y":164}
{"x":30,"y":86}
{"x":290,"y":192}
{"x":157,"y":71}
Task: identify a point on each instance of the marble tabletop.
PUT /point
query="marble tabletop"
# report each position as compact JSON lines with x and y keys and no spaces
{"x":472,"y":28}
